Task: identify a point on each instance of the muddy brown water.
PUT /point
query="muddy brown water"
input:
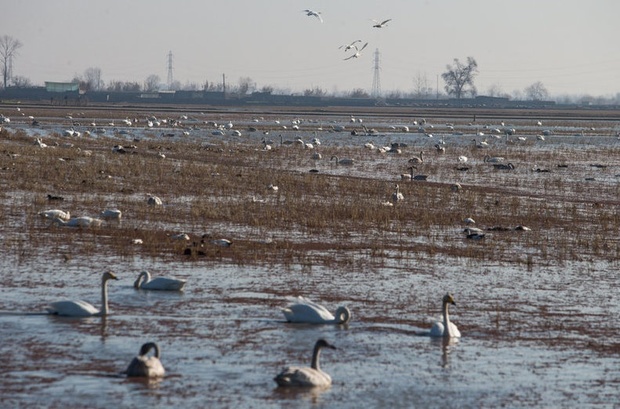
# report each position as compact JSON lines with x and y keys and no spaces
{"x":537,"y":309}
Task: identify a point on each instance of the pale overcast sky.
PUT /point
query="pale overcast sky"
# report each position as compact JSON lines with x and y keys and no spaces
{"x":571,"y":46}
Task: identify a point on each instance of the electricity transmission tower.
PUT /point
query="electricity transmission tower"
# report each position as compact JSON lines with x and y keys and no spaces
{"x":170,"y":79}
{"x":376,"y":80}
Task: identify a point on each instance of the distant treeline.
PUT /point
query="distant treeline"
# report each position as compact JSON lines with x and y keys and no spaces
{"x":76,"y":98}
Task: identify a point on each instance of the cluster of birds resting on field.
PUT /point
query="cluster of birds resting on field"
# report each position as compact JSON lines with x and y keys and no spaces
{"x":298,"y":310}
{"x":355,"y":46}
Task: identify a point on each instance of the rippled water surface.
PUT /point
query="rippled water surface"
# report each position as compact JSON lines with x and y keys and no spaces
{"x":224,"y":339}
{"x":532,"y":337}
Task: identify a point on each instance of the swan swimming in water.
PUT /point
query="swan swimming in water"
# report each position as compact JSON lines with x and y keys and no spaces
{"x":343,"y":161}
{"x":111,"y":214}
{"x":306,"y":376}
{"x":302,"y":310}
{"x":55,"y":214}
{"x":145,"y":366}
{"x":445,"y":328}
{"x":145,"y":282}
{"x":417,"y":159}
{"x":82,"y":221}
{"x":154,"y":201}
{"x":82,"y":308}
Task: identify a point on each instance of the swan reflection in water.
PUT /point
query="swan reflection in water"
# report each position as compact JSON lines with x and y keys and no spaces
{"x":447,"y":345}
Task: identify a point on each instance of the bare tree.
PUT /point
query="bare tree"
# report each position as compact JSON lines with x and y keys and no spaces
{"x":246,"y":85}
{"x":8,"y":50}
{"x":359,"y":93}
{"x":536,"y":92}
{"x":152,"y":83}
{"x":20,"y":81}
{"x":459,"y":76}
{"x":314,"y":92}
{"x":92,"y":79}
{"x":495,"y":90}
{"x":421,"y":88}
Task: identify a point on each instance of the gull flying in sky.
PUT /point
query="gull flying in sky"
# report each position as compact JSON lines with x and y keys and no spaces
{"x":381,"y":24}
{"x":358,"y":52}
{"x":316,"y":14}
{"x":348,"y":47}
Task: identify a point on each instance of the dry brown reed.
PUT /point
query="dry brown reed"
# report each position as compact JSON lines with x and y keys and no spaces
{"x":221,"y":188}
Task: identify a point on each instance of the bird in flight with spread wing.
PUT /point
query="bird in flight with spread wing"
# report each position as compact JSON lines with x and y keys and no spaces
{"x":358,"y":52}
{"x":381,"y":24}
{"x":316,"y":14}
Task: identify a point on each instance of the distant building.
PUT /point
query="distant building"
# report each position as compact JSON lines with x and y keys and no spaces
{"x":61,"y":86}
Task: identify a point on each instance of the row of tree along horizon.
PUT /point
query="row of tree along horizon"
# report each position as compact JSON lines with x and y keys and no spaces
{"x":79,"y":97}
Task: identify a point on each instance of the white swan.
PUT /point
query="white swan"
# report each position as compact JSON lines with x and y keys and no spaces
{"x":493,"y":159}
{"x":302,"y":310}
{"x":397,"y":196}
{"x":145,"y":282}
{"x":82,"y":221}
{"x":55,"y":214}
{"x":154,"y":201}
{"x":445,"y":328}
{"x":145,"y":366}
{"x":111,"y":214}
{"x":82,"y":308}
{"x":343,"y":161}
{"x":306,"y":376}
{"x":417,"y":159}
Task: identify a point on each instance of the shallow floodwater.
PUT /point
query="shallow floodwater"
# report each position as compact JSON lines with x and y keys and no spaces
{"x":531,"y":337}
{"x":224,"y":339}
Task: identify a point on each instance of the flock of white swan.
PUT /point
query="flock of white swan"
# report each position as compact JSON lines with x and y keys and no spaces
{"x":298,"y":310}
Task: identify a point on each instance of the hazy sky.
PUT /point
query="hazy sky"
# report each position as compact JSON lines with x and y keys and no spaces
{"x":571,"y":46}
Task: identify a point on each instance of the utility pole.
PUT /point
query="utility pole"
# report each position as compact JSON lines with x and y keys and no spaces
{"x":224,"y":84}
{"x":170,"y":79}
{"x":376,"y":80}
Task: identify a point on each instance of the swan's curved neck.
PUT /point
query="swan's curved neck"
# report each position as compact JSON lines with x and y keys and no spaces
{"x":342,"y":315}
{"x":446,"y":321}
{"x":315,"y":357}
{"x":104,"y":297}
{"x":144,"y":277}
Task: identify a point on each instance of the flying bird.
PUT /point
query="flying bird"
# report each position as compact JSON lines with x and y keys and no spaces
{"x":358,"y":52}
{"x":316,"y":14}
{"x":381,"y":24}
{"x":348,"y":47}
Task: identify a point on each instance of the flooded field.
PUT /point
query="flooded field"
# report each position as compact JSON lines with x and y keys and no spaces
{"x":536,"y":305}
